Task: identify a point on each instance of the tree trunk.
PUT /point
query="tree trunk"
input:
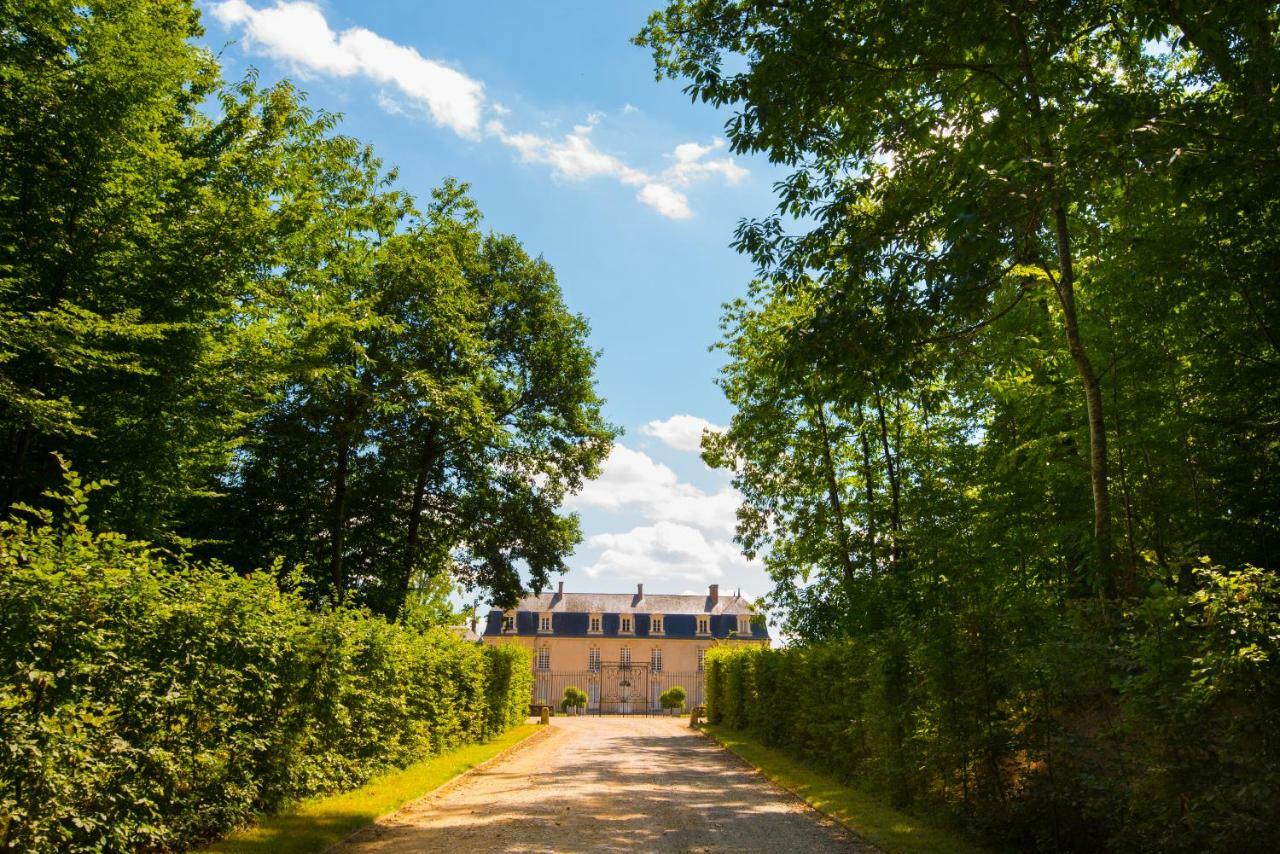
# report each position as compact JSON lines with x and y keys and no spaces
{"x":1098,"y":476}
{"x":1064,"y":286}
{"x":340,"y":476}
{"x":833,"y":497}
{"x":872,"y":551}
{"x":895,"y":507}
{"x":426,"y":462}
{"x":18,"y":468}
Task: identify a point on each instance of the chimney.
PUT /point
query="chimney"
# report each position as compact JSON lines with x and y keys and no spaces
{"x":561,"y":593}
{"x":714,"y":592}
{"x":639,"y":591}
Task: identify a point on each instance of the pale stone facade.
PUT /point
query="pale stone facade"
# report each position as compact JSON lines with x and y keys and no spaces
{"x":654,"y":641}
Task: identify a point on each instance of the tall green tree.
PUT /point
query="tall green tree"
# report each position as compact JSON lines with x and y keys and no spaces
{"x":442,"y":407}
{"x":950,"y":162}
{"x":1007,"y":381}
{"x":132,"y":229}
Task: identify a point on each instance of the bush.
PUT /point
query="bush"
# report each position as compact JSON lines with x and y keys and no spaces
{"x":673,"y":698}
{"x":147,"y":703}
{"x":1162,"y":739}
{"x":573,"y":696}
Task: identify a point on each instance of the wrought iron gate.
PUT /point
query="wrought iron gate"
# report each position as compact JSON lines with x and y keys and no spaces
{"x":605,"y":693}
{"x":624,"y":689}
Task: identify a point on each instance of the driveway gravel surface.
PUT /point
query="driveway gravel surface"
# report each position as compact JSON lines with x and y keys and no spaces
{"x":609,"y":784}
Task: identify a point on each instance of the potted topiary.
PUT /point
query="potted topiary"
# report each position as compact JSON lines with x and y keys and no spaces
{"x":574,"y":699}
{"x":672,"y":699}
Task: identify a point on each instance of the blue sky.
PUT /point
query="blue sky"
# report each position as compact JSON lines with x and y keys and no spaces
{"x":620,"y":182}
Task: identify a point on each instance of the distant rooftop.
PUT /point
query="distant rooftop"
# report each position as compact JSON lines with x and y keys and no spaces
{"x":560,"y":602}
{"x":681,"y":616}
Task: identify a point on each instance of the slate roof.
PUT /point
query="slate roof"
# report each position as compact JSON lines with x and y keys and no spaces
{"x":632,"y":603}
{"x":570,"y":615}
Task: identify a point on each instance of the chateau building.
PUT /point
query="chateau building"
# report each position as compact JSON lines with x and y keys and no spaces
{"x":623,"y":649}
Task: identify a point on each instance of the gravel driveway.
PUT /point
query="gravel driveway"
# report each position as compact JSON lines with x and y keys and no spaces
{"x":609,"y":784}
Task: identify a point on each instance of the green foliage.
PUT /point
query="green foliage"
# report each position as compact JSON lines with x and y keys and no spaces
{"x":890,"y":830}
{"x":510,"y":682}
{"x":264,"y":342}
{"x":1181,"y":759}
{"x":573,"y":696}
{"x":673,"y":698}
{"x":319,"y":823}
{"x":1008,"y":370}
{"x":441,"y":410}
{"x":148,"y":702}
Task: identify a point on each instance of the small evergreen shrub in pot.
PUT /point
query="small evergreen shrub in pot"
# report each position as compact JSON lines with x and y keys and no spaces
{"x":673,"y":699}
{"x":575,"y":699}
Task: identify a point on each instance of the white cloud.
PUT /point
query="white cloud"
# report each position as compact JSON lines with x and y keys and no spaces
{"x":576,"y":157}
{"x":690,"y":167}
{"x":685,"y":536}
{"x":296,"y":32}
{"x":630,"y":108}
{"x":391,"y":105}
{"x":633,"y":480}
{"x":716,"y":512}
{"x":682,"y":432}
{"x":667,"y":550}
{"x":671,"y":203}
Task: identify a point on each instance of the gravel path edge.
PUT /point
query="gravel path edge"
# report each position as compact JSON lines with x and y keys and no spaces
{"x":541,"y":735}
{"x":779,"y":784}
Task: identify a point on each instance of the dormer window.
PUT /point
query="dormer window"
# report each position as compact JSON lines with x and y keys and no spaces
{"x":509,"y":621}
{"x":593,"y":624}
{"x":655,"y":624}
{"x":744,"y":625}
{"x":626,"y":625}
{"x":544,"y":623}
{"x":704,"y":625}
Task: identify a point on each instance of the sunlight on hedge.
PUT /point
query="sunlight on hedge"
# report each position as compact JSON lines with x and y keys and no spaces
{"x":148,"y":701}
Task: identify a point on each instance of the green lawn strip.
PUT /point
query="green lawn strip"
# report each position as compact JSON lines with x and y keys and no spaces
{"x":315,"y":824}
{"x":878,"y":823}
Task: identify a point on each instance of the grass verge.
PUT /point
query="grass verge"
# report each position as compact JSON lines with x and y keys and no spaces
{"x":315,"y":824}
{"x":878,"y":823}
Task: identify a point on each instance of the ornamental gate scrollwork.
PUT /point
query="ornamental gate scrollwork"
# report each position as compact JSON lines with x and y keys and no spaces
{"x":623,"y":689}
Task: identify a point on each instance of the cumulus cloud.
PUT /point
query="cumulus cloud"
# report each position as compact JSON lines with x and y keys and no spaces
{"x":689,"y":165}
{"x":576,"y":157}
{"x":682,"y":432}
{"x":686,"y":533}
{"x":632,"y":480}
{"x":669,"y":202}
{"x":667,"y":550}
{"x":296,"y":32}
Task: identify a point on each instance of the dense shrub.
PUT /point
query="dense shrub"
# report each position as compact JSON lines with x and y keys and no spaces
{"x":574,"y":697}
{"x":673,"y":698}
{"x":147,"y":702}
{"x":1163,"y":739}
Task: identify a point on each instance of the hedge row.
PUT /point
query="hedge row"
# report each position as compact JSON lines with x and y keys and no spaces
{"x":147,"y":703}
{"x":1163,"y":738}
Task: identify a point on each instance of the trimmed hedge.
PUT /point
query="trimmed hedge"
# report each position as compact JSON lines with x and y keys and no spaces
{"x":1180,"y":754}
{"x":147,"y":703}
